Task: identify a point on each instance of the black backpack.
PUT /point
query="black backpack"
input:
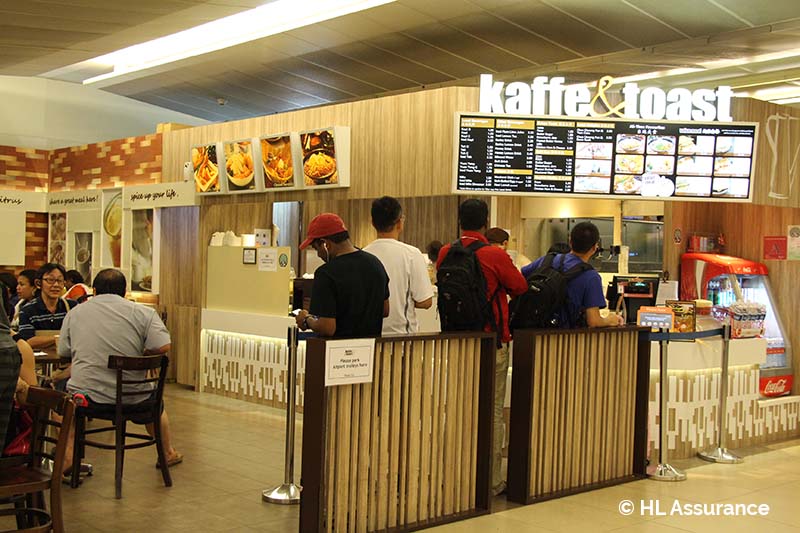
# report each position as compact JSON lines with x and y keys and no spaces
{"x":462,"y":301}
{"x":539,"y":306}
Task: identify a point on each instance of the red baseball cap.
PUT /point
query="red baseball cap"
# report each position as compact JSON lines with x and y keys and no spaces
{"x":323,"y":225}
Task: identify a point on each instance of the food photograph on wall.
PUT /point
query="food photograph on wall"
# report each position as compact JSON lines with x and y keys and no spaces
{"x":277,"y":161}
{"x":142,"y":250}
{"x":205,"y":168}
{"x":58,"y":238}
{"x":319,"y":158}
{"x":239,"y":167}
{"x":83,"y":254}
{"x":112,"y":229}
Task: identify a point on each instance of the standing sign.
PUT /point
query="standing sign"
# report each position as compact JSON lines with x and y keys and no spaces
{"x":349,"y":361}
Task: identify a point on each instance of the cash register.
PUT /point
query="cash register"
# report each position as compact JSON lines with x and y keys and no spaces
{"x":627,"y":294}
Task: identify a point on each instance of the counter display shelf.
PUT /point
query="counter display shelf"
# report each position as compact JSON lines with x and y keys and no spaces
{"x":244,"y":356}
{"x":694,"y":373}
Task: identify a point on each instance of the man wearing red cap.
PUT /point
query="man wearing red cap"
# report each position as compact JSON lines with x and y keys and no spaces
{"x":350,"y":297}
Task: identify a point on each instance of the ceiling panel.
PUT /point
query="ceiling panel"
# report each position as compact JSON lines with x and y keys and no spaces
{"x":274,"y":88}
{"x":512,"y":38}
{"x":695,"y":18}
{"x":300,"y":84}
{"x":560,"y":28}
{"x":468,"y":47}
{"x":758,"y":13}
{"x":402,"y":45}
{"x":382,"y":78}
{"x":428,"y":55}
{"x":401,"y":66}
{"x":637,"y":30}
{"x":327,"y":77}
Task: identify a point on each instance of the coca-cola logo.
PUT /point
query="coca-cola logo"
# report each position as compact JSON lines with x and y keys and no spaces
{"x":775,"y":387}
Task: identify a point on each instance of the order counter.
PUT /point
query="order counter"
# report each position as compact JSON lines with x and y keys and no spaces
{"x":693,"y":402}
{"x":244,"y":326}
{"x":578,"y":410}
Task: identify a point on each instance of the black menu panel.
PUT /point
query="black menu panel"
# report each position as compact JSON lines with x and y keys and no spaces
{"x":610,"y":157}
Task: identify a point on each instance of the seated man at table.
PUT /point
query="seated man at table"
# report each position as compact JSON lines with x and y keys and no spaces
{"x":108,"y":324}
{"x":40,"y":320}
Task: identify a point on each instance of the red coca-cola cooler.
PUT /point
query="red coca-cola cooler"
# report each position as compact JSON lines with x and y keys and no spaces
{"x":725,"y":280}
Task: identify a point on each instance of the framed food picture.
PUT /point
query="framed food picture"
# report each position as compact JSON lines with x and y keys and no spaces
{"x":58,"y":238}
{"x":240,"y":169}
{"x":205,"y":168}
{"x":279,"y":161}
{"x":326,"y":157}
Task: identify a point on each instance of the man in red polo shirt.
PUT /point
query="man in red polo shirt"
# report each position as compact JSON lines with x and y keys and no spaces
{"x":502,"y":280}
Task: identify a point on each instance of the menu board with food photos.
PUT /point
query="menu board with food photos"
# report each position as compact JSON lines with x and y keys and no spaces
{"x":503,"y":154}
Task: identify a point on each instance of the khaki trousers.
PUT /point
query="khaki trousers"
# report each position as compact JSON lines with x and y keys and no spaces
{"x":500,"y":377}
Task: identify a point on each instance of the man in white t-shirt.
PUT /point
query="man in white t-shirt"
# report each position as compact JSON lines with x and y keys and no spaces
{"x":409,"y":284}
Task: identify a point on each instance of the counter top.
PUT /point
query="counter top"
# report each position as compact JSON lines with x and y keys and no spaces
{"x":707,"y":353}
{"x":246,"y":323}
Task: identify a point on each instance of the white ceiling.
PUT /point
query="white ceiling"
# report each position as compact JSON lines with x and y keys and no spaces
{"x":406,"y":45}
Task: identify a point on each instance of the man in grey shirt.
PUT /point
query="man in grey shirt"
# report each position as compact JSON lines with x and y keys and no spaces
{"x":109,"y":324}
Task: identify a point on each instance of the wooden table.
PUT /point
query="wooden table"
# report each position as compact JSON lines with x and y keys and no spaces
{"x":49,"y":361}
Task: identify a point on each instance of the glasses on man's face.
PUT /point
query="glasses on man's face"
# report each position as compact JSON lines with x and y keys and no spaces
{"x":53,"y":281}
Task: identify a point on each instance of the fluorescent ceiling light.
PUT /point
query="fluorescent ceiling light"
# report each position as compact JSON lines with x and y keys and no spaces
{"x":270,"y":19}
{"x":795,"y":100}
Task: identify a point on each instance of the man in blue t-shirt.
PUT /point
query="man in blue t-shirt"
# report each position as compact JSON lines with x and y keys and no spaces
{"x":585,"y":295}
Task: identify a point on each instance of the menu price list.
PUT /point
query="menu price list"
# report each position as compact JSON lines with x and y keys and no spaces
{"x":515,"y":154}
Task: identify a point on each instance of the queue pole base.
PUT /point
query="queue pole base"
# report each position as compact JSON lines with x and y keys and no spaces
{"x":666,"y":472}
{"x":720,"y":455}
{"x":286,"y":494}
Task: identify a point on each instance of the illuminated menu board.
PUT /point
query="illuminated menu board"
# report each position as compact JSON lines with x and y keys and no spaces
{"x":503,"y":154}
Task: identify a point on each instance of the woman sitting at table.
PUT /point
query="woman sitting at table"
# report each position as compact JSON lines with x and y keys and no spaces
{"x":26,"y":290}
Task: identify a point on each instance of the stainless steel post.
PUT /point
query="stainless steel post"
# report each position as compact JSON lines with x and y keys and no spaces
{"x":720,"y":454}
{"x":664,"y":471}
{"x":288,"y":492}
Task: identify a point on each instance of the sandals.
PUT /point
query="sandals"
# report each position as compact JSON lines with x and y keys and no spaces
{"x":172,"y":461}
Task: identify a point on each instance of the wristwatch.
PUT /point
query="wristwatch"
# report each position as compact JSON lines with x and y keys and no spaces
{"x":305,"y":322}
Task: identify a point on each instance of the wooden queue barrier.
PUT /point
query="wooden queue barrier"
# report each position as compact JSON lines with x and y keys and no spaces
{"x":410,"y":450}
{"x":578,"y":410}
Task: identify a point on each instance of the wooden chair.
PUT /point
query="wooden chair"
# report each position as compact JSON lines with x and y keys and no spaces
{"x":31,"y":478}
{"x":143,"y":412}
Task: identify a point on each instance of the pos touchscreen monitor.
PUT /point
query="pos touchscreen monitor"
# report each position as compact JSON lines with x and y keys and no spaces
{"x":630,"y":293}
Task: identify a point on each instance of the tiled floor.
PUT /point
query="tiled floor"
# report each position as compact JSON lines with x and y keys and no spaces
{"x":234,"y":450}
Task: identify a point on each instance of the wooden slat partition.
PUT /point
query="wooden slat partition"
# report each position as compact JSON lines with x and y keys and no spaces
{"x":411,"y":449}
{"x":578,"y":411}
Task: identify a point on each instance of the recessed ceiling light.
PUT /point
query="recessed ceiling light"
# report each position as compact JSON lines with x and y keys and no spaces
{"x":270,"y":19}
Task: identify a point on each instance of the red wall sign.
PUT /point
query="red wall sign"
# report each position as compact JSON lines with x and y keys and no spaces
{"x":775,"y":248}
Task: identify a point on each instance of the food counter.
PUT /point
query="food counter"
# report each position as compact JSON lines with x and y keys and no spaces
{"x":243,"y":327}
{"x":694,"y":370}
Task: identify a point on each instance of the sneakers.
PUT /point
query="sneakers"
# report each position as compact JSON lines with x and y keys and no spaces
{"x":499,"y":489}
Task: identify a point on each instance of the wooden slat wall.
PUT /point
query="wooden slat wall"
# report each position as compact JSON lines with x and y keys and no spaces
{"x":179,"y":289}
{"x":404,"y":450}
{"x":745,"y":226}
{"x":427,"y":218}
{"x":573,"y":412}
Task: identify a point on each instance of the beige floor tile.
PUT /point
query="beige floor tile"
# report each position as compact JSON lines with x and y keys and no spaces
{"x":559,"y":515}
{"x":234,"y":450}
